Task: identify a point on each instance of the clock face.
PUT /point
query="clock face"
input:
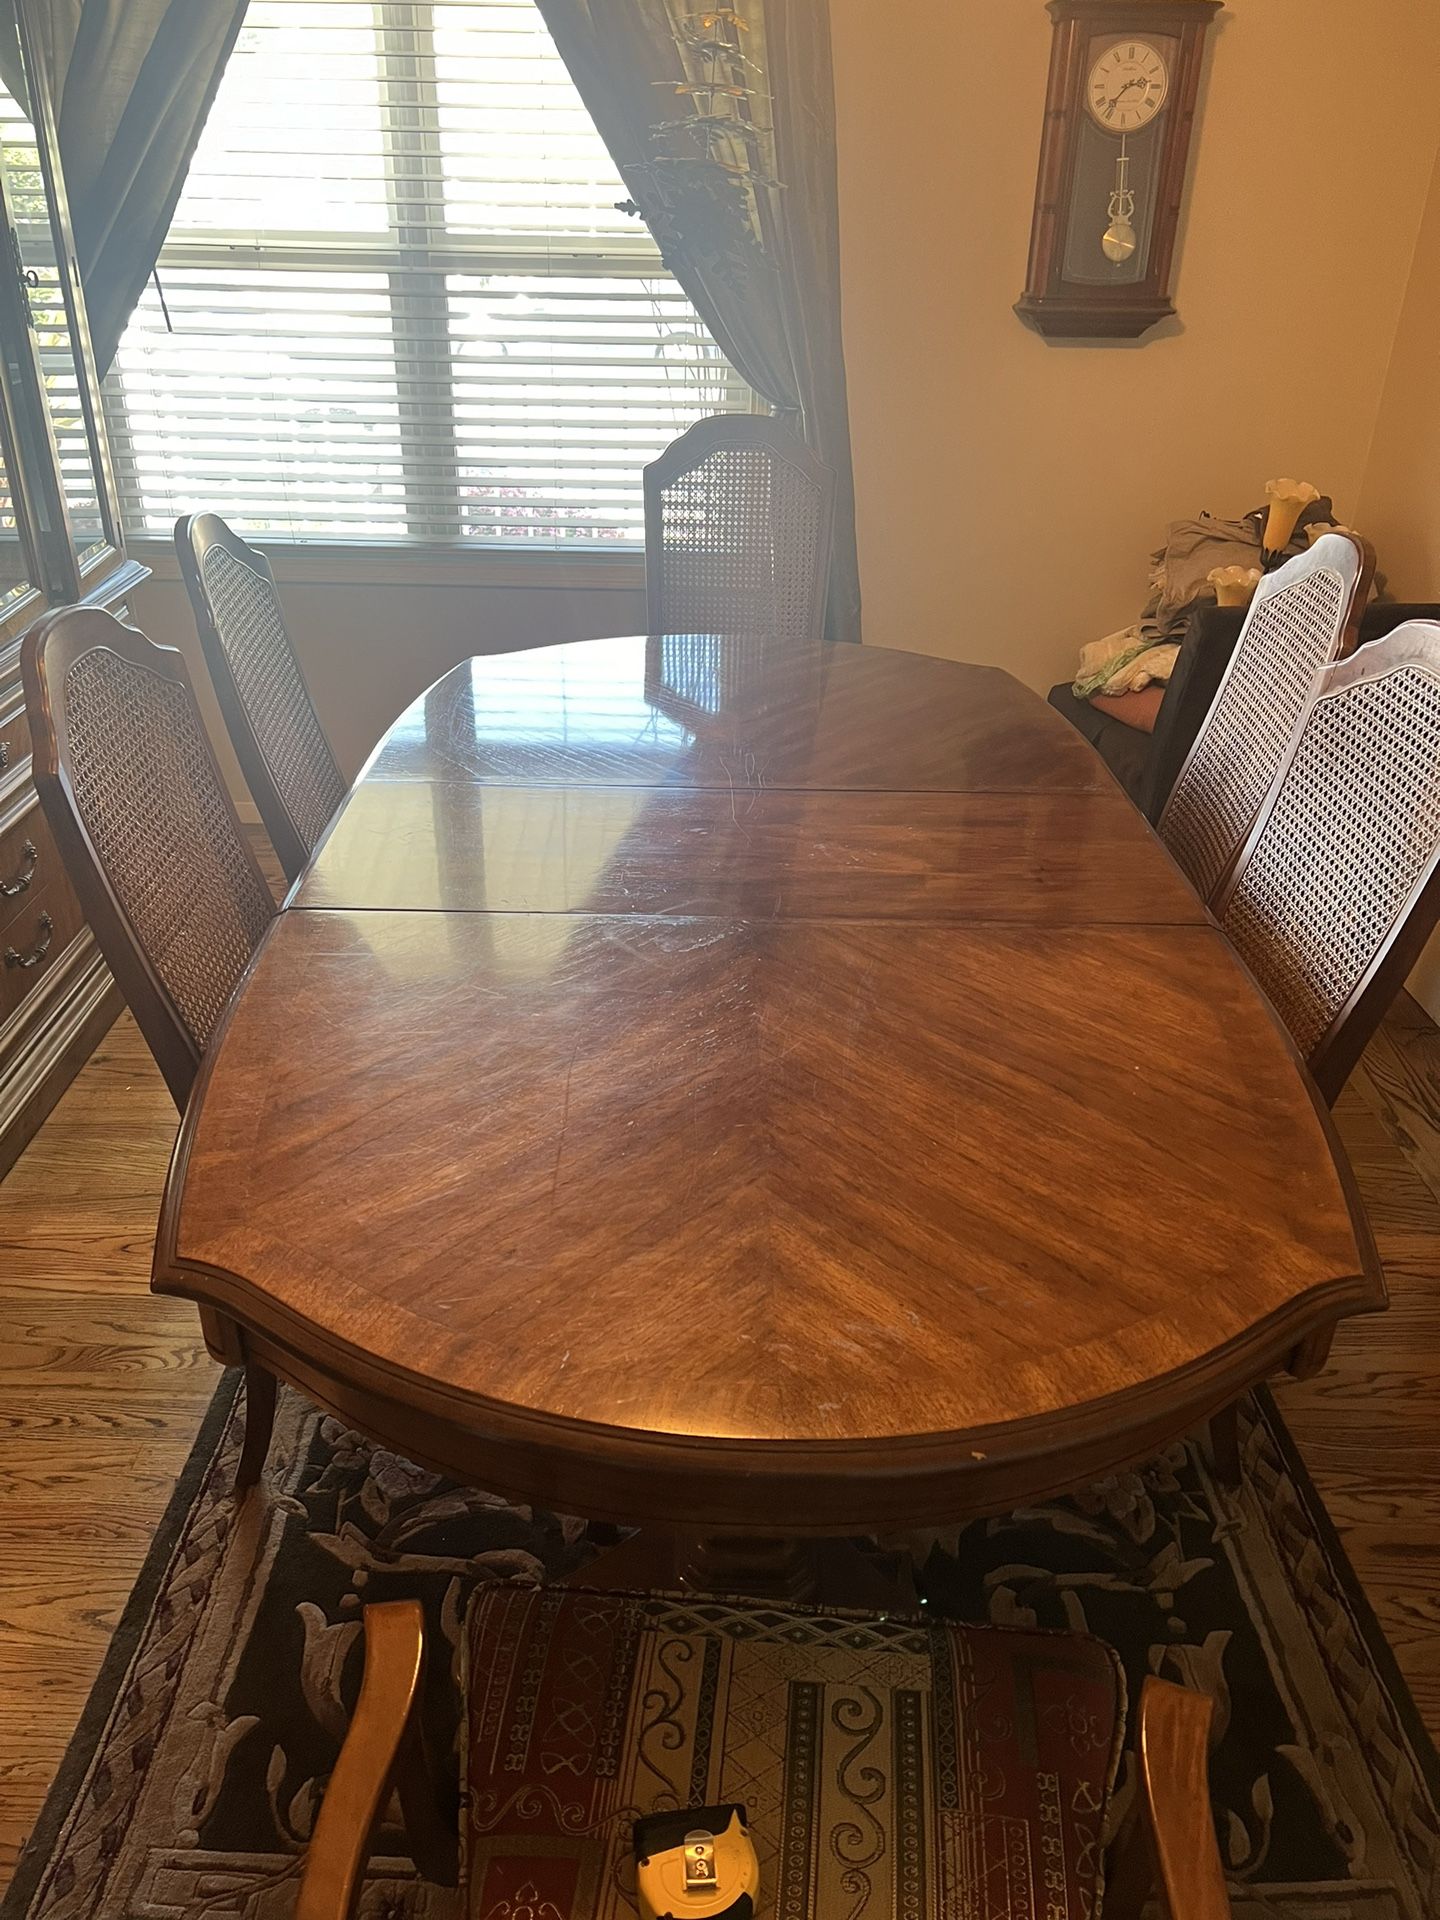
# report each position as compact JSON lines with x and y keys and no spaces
{"x":1127,"y":86}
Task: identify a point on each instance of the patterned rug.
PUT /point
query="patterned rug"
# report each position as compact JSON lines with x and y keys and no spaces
{"x":193,"y":1780}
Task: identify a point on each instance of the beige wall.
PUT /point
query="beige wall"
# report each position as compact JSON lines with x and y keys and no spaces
{"x":1010,"y":488}
{"x":1399,"y":503}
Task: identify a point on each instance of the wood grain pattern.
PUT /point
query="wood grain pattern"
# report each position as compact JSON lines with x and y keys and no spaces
{"x":104,"y":1386}
{"x":1171,"y":1850}
{"x":64,"y":1452}
{"x":766,"y":1053}
{"x":383,"y":1748}
{"x":815,"y":1214}
{"x":1369,"y":1426}
{"x":927,"y":857}
{"x":738,"y":713}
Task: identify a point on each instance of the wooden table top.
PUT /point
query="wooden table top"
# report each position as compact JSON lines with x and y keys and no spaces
{"x":749,"y":1089}
{"x":699,"y":710}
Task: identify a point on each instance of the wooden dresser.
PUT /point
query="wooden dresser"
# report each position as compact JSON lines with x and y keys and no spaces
{"x":60,"y":542}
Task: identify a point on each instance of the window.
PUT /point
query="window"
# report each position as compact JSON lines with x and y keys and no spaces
{"x":59,"y":367}
{"x":398,"y":301}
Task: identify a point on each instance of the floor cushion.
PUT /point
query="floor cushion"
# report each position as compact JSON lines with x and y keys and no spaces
{"x":892,"y":1769}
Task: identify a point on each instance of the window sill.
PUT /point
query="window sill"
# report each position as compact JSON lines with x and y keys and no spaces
{"x":322,"y":563}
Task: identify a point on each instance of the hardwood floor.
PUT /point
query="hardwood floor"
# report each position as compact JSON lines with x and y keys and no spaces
{"x":102,"y":1387}
{"x":1369,"y":1426}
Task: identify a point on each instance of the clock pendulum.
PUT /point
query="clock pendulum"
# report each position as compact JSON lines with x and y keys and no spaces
{"x":1127,"y":88}
{"x":1118,"y":239}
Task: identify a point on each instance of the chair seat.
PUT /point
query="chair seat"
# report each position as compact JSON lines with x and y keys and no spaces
{"x":892,"y":1769}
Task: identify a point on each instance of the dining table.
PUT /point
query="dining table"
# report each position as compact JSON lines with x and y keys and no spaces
{"x":756,"y":1092}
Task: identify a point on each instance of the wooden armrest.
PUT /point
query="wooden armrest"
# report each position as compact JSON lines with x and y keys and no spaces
{"x":360,"y":1784}
{"x":1171,"y":1848}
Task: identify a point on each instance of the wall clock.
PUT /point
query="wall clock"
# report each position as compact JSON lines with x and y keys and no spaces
{"x":1118,"y":117}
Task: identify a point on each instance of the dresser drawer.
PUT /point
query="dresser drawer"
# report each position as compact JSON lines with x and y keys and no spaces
{"x":33,"y":942}
{"x":30,"y":862}
{"x":14,"y":733}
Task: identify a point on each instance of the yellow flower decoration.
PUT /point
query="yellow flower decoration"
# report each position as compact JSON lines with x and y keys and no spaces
{"x":1288,"y":500}
{"x":1234,"y":586}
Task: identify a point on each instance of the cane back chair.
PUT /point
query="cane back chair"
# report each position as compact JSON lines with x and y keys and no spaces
{"x":154,"y":849}
{"x":269,"y":714}
{"x":1337,"y":887}
{"x":1002,"y":1744}
{"x":1304,"y":615}
{"x":738,"y":519}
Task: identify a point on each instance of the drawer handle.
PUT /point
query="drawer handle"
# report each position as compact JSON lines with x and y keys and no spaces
{"x":36,"y":953}
{"x":29,"y":856}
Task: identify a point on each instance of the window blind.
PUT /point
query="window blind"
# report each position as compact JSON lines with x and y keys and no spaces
{"x":398,"y":300}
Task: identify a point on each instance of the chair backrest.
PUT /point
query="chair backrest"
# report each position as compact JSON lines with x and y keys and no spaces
{"x":269,"y":714}
{"x":738,"y":519}
{"x":1337,"y":887}
{"x":1304,"y":615}
{"x":149,"y":836}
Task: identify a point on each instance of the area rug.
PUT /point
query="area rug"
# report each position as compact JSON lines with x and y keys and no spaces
{"x":193,"y":1780}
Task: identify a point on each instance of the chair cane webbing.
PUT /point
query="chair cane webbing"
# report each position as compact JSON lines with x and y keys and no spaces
{"x":149,"y":796}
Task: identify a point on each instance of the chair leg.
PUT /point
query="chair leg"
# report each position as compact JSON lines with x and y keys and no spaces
{"x":1167,"y":1851}
{"x":1129,"y":1870}
{"x":432,"y":1818}
{"x":1225,"y":1445}
{"x":259,"y":1423}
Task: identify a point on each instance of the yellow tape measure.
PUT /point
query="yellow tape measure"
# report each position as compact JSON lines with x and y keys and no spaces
{"x":697,"y":1861}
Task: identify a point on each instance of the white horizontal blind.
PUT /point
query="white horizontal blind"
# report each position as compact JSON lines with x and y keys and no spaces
{"x":402,"y":303}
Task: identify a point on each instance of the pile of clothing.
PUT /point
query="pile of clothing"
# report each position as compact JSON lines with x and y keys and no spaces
{"x":1141,"y":657}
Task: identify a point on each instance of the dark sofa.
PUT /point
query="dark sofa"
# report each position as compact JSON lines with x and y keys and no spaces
{"x":1146,"y":764}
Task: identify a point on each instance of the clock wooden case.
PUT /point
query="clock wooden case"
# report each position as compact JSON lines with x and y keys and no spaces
{"x":1118,"y":117}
